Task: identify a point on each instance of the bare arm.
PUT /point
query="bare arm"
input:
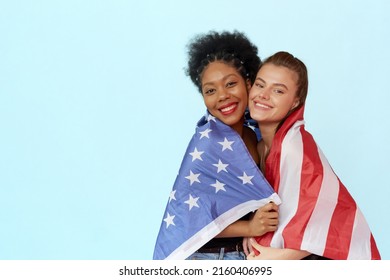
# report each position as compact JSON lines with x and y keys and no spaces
{"x":264,"y":220}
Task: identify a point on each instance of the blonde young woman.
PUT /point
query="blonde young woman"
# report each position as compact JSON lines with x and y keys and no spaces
{"x":318,"y":218}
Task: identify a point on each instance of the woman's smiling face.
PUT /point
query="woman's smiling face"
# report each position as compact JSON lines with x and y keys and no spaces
{"x":225,"y":93}
{"x":273,"y":95}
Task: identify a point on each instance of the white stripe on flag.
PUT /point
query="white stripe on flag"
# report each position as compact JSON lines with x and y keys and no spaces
{"x":290,"y":180}
{"x":360,"y":247}
{"x":217,"y":225}
{"x":315,"y":235}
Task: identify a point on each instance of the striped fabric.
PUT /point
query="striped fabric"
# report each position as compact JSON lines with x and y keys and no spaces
{"x":317,"y":213}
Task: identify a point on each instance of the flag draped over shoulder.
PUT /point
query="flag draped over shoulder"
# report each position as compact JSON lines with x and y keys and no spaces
{"x":218,"y":183}
{"x":317,"y":213}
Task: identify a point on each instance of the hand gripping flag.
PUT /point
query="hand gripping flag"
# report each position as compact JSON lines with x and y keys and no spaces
{"x":317,"y":214}
{"x":218,"y":183}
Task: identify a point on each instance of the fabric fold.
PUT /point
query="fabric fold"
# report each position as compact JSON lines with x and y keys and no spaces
{"x":318,"y":214}
{"x":217,"y":184}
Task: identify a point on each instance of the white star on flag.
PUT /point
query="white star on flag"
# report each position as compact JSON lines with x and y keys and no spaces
{"x":209,"y":192}
{"x":169,"y":220}
{"x":218,"y":186}
{"x":193,"y":178}
{"x":226,"y":144}
{"x":210,"y":118}
{"x":205,"y":133}
{"x":196,"y":154}
{"x":221,"y":166}
{"x":251,"y":127}
{"x":246,"y":179}
{"x":172,"y":195}
{"x":192,"y":201}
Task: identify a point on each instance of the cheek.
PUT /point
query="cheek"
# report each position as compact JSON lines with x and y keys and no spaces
{"x":208,"y":102}
{"x":246,"y":100}
{"x":244,"y":96}
{"x":252,"y":93}
{"x":285,"y":106}
{"x":251,"y":97}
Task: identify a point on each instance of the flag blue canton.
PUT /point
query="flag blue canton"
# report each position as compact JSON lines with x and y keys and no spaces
{"x":217,"y":184}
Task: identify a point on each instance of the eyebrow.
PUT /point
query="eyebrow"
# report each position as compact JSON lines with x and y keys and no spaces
{"x":275,"y":84}
{"x":223,"y":79}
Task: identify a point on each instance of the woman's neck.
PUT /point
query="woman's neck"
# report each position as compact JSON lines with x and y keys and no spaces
{"x":264,"y":145}
{"x":249,"y":138}
{"x":267,"y":134}
{"x":239,"y":127}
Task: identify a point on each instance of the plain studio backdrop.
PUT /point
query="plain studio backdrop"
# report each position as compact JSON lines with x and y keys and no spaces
{"x":96,"y":112}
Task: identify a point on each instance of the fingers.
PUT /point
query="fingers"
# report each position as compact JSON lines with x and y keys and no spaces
{"x":265,"y":214}
{"x":268,"y":211}
{"x":251,"y":256}
{"x":265,"y":219}
{"x":256,"y":245}
{"x":245,"y":245}
{"x":256,"y":250}
{"x":269,"y":207}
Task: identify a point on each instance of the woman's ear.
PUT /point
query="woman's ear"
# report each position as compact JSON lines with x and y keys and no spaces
{"x":295,"y":104}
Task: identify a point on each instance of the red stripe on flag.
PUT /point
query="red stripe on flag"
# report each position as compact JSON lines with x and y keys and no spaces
{"x":311,"y":180}
{"x":374,"y":249}
{"x":340,"y":230}
{"x":325,"y":214}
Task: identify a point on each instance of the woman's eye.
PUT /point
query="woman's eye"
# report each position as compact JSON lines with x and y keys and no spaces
{"x":279,"y":91}
{"x":231,"y":84}
{"x":259,"y":85}
{"x":208,"y":92}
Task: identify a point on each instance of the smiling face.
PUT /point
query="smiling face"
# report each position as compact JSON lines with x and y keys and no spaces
{"x":225,"y":93}
{"x":273,"y":94}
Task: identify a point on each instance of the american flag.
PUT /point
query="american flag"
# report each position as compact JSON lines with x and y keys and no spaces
{"x":318,"y":214}
{"x":218,"y":183}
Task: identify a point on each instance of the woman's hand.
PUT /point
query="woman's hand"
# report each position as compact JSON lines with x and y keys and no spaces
{"x":263,"y":251}
{"x":264,"y":220}
{"x":268,"y":253}
{"x":246,"y":245}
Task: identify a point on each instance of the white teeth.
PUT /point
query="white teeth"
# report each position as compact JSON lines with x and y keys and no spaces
{"x":228,"y":108}
{"x":262,"y":105}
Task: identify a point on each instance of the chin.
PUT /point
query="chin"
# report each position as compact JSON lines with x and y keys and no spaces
{"x":231,"y":121}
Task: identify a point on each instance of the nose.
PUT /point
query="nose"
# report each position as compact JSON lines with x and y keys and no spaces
{"x":264,"y":94}
{"x":223,"y":94}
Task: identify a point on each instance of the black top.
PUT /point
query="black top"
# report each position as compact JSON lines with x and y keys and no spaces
{"x":226,"y":241}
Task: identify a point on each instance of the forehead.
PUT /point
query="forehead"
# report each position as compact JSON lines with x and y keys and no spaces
{"x":218,"y":70}
{"x":272,"y":73}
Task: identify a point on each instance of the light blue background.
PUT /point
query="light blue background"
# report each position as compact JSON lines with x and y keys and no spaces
{"x":96,"y":112}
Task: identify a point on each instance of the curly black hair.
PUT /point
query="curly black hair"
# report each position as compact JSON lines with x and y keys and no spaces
{"x":233,"y":48}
